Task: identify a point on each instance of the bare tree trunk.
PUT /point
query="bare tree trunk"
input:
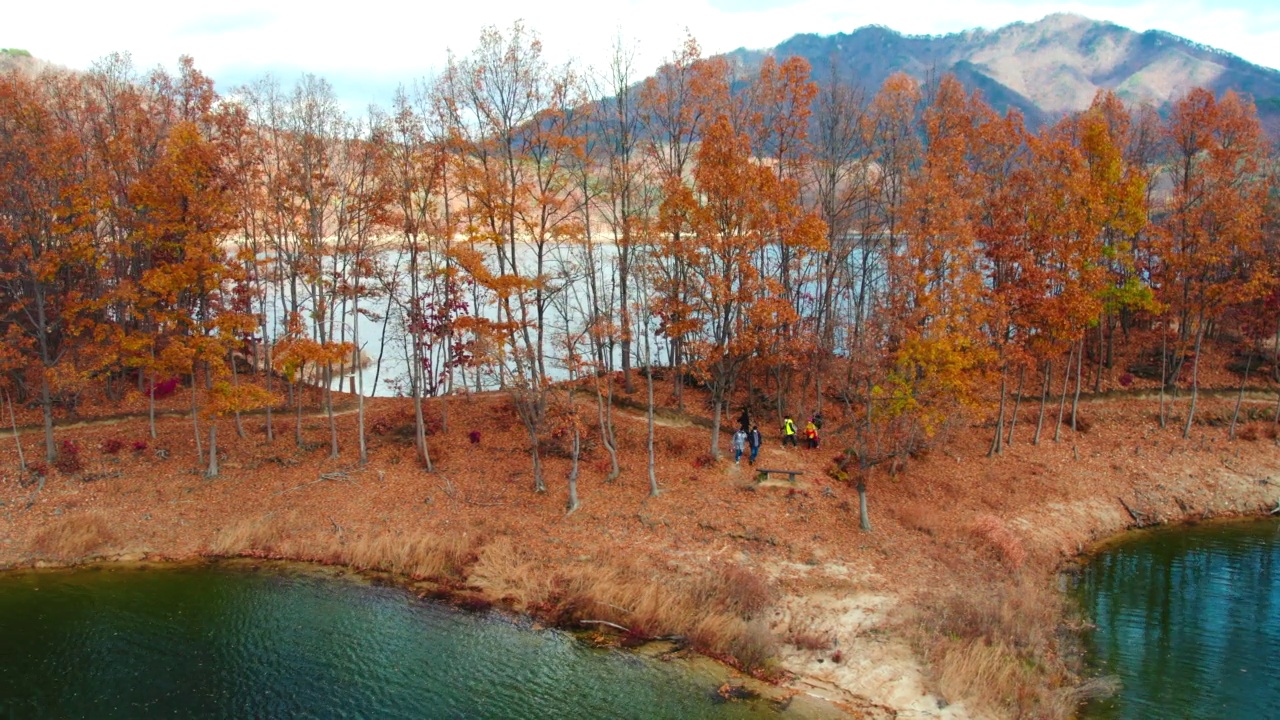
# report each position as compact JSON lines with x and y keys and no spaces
{"x":46,"y":408}
{"x":1017,"y":404}
{"x":297,"y":409}
{"x":212,"y":472}
{"x":151,"y":396}
{"x":1097,"y":378}
{"x":1075,"y":401}
{"x":17,"y":440}
{"x":864,"y":518}
{"x":328,"y":406}
{"x":1062,"y":404}
{"x":715,"y":426}
{"x":575,"y":448}
{"x":359,"y":369}
{"x":999,"y":434}
{"x":271,"y":432}
{"x":1164,"y":369}
{"x":653,"y":477}
{"x":235,"y":382}
{"x":195,"y":421}
{"x":1235,"y":416}
{"x":606,"y":428}
{"x":1195,"y":378}
{"x":1044,"y":398}
{"x":536,"y":458}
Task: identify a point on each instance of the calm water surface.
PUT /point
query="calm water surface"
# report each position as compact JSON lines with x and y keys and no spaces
{"x":223,"y":641}
{"x":1189,"y":619}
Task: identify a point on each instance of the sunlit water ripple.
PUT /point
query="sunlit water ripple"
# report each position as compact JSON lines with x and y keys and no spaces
{"x":223,"y":642}
{"x":1189,"y":619}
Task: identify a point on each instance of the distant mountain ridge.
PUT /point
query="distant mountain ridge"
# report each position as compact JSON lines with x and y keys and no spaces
{"x":1045,"y":68}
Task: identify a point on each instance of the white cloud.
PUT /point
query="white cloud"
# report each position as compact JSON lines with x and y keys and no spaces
{"x":385,"y":41}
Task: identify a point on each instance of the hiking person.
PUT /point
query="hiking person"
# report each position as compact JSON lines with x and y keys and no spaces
{"x":811,"y":434}
{"x":744,"y":420}
{"x":789,"y":431}
{"x":817,"y":419}
{"x":739,"y":442}
{"x":754,"y":441}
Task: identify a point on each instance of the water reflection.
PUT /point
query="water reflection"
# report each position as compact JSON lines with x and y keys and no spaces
{"x":1190,"y":621}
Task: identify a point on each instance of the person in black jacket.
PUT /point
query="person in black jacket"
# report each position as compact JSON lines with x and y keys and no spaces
{"x":744,"y":420}
{"x":754,"y":441}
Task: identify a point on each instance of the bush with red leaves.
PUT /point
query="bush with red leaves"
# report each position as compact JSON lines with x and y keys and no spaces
{"x":112,"y":446}
{"x":68,"y":461}
{"x":165,"y":388}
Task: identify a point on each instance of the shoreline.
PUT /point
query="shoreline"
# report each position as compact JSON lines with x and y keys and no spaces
{"x":878,"y":624}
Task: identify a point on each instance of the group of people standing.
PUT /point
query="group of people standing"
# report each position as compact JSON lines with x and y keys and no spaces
{"x":748,"y":435}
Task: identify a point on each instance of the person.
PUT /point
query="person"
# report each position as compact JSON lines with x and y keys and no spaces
{"x":739,"y":440}
{"x":789,"y":431}
{"x":811,"y":434}
{"x":754,"y":441}
{"x":817,"y":419}
{"x":744,"y":420}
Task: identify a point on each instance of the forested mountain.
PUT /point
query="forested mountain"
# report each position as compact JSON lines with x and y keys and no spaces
{"x":1045,"y":69}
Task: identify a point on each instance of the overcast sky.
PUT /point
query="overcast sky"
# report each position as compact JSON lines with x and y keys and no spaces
{"x":367,"y":47}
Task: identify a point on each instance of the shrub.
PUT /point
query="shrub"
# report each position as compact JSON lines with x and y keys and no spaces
{"x":68,"y":461}
{"x":139,"y":445}
{"x":705,"y":460}
{"x":474,"y":437}
{"x":165,"y":388}
{"x":1249,"y":432}
{"x":1126,"y":380}
{"x":113,"y":446}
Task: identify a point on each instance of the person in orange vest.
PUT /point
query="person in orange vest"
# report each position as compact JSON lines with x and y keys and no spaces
{"x":789,"y":431}
{"x":811,"y":434}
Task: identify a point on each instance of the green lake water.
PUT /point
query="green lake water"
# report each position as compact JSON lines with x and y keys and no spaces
{"x":1189,"y":620}
{"x":228,"y":641}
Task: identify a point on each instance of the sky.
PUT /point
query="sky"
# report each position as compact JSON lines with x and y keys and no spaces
{"x":366,"y":48}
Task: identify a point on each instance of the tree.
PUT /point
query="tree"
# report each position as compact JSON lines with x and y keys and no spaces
{"x":1213,"y":225}
{"x":48,"y":196}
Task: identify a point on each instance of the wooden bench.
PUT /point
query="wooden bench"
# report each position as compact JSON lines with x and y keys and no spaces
{"x":762,"y":474}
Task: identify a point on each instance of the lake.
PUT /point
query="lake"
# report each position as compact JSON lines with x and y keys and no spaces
{"x":237,"y":640}
{"x":1189,"y":619}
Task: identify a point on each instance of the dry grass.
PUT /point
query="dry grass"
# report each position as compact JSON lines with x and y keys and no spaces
{"x":919,"y":517}
{"x":803,"y":634}
{"x":990,"y":676}
{"x":1006,"y":544}
{"x":72,"y":538}
{"x":260,"y":536}
{"x":430,"y":557}
{"x":717,"y":612}
{"x":503,"y":573}
{"x":997,"y":649}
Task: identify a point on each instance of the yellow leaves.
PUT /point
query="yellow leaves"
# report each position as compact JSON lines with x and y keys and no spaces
{"x":226,"y":398}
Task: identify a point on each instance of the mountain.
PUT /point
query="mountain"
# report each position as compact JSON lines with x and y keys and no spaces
{"x":1045,"y":68}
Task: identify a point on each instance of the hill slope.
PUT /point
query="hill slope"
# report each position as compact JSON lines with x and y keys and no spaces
{"x":1046,"y":68}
